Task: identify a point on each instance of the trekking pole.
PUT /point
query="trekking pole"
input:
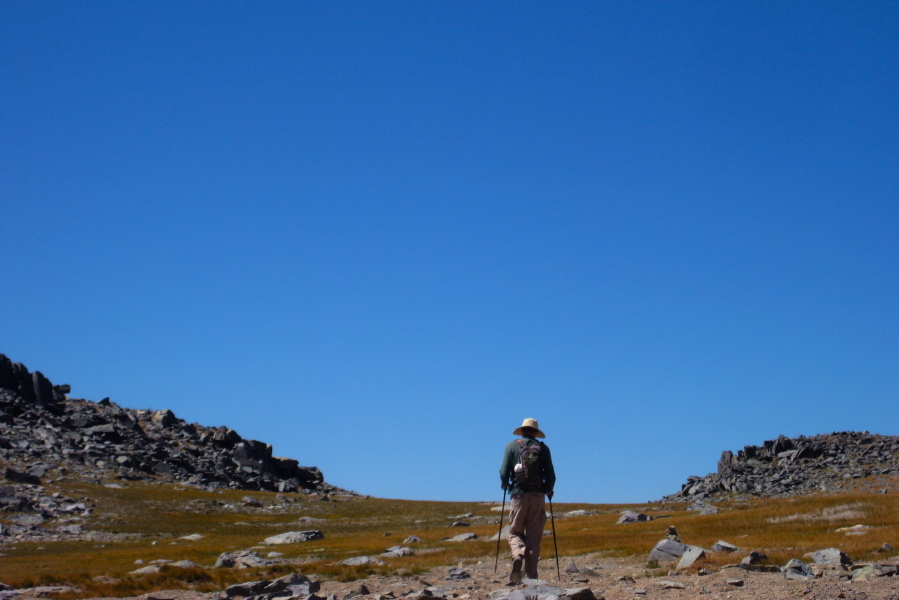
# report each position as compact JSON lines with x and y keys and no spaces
{"x":552,"y":515}
{"x":499,"y":535}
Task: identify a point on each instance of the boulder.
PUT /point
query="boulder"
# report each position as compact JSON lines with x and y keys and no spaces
{"x":629,"y":516}
{"x":754,"y":558}
{"x":19,"y":477}
{"x":241,"y":560}
{"x":43,"y":389}
{"x":831,"y":556}
{"x":150,"y":570}
{"x":722,"y":546}
{"x":457,"y":574}
{"x":164,"y":418}
{"x":797,"y":570}
{"x":580,"y":593}
{"x":667,"y":551}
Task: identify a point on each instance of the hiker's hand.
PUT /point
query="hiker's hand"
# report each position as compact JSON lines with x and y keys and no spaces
{"x":504,"y":485}
{"x":550,"y":495}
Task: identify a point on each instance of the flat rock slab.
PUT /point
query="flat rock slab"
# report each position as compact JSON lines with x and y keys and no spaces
{"x":692,"y":554}
{"x":294,"y":537}
{"x":722,"y":546}
{"x":361,"y":560}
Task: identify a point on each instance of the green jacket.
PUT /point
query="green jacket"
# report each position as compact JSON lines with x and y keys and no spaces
{"x":510,"y":458}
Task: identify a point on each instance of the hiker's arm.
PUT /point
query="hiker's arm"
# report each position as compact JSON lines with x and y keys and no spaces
{"x":549,"y":473}
{"x":505,"y":469}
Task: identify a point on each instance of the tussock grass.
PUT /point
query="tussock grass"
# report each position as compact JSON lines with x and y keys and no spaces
{"x":145,"y":523}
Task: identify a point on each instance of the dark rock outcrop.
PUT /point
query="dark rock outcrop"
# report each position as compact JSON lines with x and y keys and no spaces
{"x":43,"y":431}
{"x":794,"y":467}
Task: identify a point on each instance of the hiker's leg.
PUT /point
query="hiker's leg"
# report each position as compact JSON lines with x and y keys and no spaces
{"x":536,"y":520}
{"x":517,"y":541}
{"x":517,"y":521}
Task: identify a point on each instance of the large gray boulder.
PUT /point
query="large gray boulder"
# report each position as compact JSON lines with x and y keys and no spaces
{"x":667,"y":551}
{"x":831,"y":556}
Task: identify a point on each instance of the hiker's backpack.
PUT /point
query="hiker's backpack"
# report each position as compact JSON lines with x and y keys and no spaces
{"x":529,"y":470}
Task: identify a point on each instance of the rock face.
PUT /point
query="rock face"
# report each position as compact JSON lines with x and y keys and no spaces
{"x":794,"y":467}
{"x":43,"y":431}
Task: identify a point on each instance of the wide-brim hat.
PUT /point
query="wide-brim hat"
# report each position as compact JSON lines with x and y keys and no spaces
{"x":532,"y":423}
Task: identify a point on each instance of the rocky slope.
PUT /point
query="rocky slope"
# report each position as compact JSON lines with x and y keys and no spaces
{"x":804,"y":465}
{"x":44,"y":432}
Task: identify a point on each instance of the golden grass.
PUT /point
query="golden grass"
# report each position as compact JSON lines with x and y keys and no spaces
{"x":157,"y":516}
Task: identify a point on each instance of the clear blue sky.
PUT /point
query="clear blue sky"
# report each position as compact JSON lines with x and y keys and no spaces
{"x":378,"y":234}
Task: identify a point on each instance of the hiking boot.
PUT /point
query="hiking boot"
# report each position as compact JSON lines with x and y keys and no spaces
{"x":515,"y":576}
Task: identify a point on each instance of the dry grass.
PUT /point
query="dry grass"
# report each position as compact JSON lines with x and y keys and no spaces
{"x":160,"y":515}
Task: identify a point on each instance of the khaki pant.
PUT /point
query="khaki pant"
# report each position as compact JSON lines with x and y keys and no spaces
{"x":527,"y":516}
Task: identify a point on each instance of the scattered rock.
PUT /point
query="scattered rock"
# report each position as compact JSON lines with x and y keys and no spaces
{"x":456,"y":574}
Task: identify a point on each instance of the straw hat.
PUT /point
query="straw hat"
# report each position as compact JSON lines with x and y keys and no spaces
{"x":532,"y":423}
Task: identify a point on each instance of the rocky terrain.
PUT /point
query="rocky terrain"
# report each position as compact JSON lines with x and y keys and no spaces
{"x":47,"y":438}
{"x":45,"y":433}
{"x":582,"y":578}
{"x":793,"y":467}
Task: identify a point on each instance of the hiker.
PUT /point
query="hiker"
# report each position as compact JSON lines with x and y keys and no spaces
{"x":527,"y":473}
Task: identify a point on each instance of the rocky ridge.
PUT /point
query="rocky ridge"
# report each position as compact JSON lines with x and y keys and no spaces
{"x":799,"y":466}
{"x":45,"y":433}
